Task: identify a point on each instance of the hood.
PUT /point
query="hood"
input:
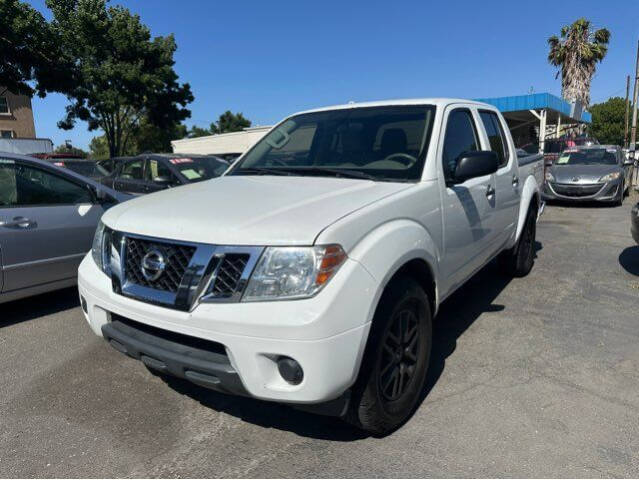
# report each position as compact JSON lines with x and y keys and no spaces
{"x":585,"y":173}
{"x":248,"y":210}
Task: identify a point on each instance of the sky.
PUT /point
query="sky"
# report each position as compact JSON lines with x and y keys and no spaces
{"x":270,"y":59}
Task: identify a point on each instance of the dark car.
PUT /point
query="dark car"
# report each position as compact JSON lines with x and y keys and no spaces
{"x":152,"y":172}
{"x":75,"y":163}
{"x":88,"y":168}
{"x":109,"y":164}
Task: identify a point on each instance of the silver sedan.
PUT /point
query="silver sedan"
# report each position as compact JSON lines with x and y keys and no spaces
{"x":594,"y":173}
{"x":48,"y":216}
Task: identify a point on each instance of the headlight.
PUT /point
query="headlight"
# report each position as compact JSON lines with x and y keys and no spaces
{"x":98,"y":250}
{"x":610,"y":176}
{"x":549,"y":177}
{"x":293,"y":272}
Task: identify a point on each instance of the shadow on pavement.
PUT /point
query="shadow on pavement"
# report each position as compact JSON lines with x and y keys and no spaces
{"x":38,"y":306}
{"x":269,"y":414}
{"x":456,"y":315}
{"x":629,"y":260}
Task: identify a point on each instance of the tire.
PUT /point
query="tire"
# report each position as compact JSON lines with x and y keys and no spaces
{"x":519,"y":260}
{"x":619,"y":201}
{"x":393,"y":371}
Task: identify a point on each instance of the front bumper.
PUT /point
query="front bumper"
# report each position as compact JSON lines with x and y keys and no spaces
{"x":596,"y":192}
{"x":634,"y":223}
{"x":325,"y":334}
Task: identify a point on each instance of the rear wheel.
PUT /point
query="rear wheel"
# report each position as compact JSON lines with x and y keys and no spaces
{"x":396,"y":360}
{"x":519,"y":260}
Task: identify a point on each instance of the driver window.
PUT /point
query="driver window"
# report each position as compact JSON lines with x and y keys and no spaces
{"x":157,"y":170}
{"x":461,"y":137}
{"x":132,"y":170}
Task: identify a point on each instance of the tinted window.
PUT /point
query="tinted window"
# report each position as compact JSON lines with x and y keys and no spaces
{"x":496,"y":136}
{"x":461,"y":137}
{"x":159,"y":173}
{"x":382,"y":143}
{"x":199,"y":168}
{"x":21,"y":185}
{"x":132,"y":170}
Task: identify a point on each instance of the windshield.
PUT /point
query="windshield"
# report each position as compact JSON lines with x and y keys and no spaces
{"x":199,"y":168}
{"x":594,"y":156}
{"x":86,"y":168}
{"x":375,"y":143}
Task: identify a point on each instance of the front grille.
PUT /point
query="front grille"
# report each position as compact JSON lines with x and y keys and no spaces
{"x":177,"y":258}
{"x":228,"y":275}
{"x":576,"y":190}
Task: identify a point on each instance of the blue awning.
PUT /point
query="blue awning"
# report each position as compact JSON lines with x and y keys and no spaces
{"x":535,"y":101}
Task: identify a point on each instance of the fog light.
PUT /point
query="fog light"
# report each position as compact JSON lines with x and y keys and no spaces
{"x":290,"y":370}
{"x":83,"y":302}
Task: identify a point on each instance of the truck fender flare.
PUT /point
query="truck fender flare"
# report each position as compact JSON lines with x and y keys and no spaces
{"x":389,"y":247}
{"x":529,"y":192}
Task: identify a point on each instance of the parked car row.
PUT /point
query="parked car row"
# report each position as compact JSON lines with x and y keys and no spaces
{"x":148,"y":173}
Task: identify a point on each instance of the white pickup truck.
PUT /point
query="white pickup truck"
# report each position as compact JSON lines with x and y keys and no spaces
{"x":311,"y":271}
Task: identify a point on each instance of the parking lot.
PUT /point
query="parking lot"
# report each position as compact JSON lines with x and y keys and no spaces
{"x":530,"y":377}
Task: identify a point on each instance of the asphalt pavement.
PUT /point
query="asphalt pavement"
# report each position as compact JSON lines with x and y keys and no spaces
{"x":530,"y":377}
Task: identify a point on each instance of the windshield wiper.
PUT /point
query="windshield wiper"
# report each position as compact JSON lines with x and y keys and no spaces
{"x":336,"y":172}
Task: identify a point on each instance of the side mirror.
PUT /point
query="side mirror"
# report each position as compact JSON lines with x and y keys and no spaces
{"x":475,"y":164}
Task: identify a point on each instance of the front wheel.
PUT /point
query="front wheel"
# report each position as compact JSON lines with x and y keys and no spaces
{"x":396,"y":359}
{"x":519,"y":260}
{"x":619,"y":201}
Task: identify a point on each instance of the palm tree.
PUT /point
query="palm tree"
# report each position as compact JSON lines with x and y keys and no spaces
{"x":577,"y":52}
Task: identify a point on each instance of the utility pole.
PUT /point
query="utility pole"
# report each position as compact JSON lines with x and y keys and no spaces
{"x":633,"y":135}
{"x":625,"y":135}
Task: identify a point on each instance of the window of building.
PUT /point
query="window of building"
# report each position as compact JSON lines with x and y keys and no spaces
{"x":4,"y":106}
{"x":6,"y":133}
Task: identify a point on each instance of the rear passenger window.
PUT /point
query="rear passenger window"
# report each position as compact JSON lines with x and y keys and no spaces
{"x":496,"y":135}
{"x":461,"y":137}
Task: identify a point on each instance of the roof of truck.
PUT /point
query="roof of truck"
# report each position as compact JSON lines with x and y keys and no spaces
{"x":388,"y":103}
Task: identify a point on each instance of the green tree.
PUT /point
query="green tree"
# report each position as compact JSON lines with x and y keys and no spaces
{"x":199,"y":132}
{"x":99,"y":148}
{"x":227,"y":122}
{"x":608,"y":121}
{"x":230,"y":122}
{"x":31,"y":57}
{"x":577,"y":53}
{"x":121,"y":75}
{"x":150,"y":138}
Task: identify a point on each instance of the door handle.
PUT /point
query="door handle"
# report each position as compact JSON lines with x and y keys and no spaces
{"x":515,"y":181}
{"x":18,"y":222}
{"x":490,"y":191}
